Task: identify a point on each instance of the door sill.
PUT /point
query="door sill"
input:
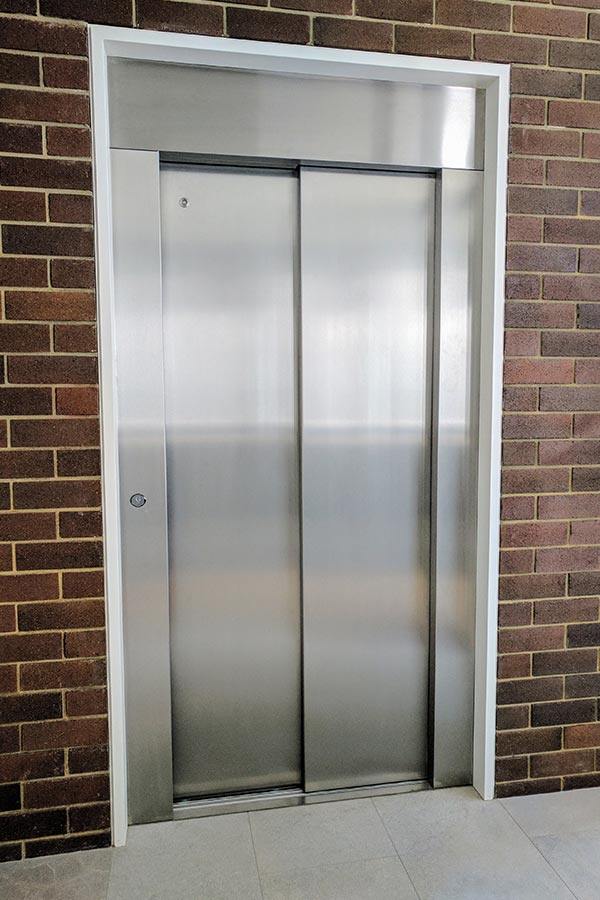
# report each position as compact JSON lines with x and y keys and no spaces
{"x":233,"y":803}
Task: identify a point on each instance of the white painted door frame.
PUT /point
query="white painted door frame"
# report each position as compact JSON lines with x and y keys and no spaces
{"x":106,"y":42}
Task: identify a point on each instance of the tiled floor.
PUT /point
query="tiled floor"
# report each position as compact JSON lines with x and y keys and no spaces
{"x":436,"y":844}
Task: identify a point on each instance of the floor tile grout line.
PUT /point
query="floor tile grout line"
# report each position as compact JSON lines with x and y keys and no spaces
{"x":260,"y":885}
{"x":402,"y":863}
{"x":538,"y":851}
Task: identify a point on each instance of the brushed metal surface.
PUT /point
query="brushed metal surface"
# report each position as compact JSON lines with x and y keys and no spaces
{"x":229,"y":281}
{"x":367,"y":251}
{"x":232,"y":112}
{"x":138,"y":346}
{"x":455,"y":474}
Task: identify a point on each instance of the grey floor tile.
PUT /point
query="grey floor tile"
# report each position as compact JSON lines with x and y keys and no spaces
{"x":556,"y":813}
{"x":576,"y":858}
{"x":456,"y":846}
{"x":69,"y":876}
{"x":303,"y":837}
{"x":371,"y":879}
{"x":197,"y":859}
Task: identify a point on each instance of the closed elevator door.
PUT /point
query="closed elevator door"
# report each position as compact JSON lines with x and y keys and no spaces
{"x":273,"y":684}
{"x":229,"y":271}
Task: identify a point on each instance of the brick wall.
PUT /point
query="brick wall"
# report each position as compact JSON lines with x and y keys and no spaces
{"x":53,"y":761}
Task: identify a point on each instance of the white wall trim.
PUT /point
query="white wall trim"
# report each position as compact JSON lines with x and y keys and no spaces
{"x":106,"y":42}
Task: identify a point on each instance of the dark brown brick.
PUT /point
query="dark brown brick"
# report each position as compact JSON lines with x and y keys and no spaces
{"x":59,"y":555}
{"x":22,"y":206}
{"x":55,"y":433}
{"x":525,"y":587}
{"x":65,"y":791}
{"x":515,"y":665}
{"x":77,"y":462}
{"x":573,"y":609}
{"x":582,"y":685}
{"x":514,"y":614}
{"x":28,"y":587}
{"x":17,"y":338}
{"x":571,"y":506}
{"x":529,"y":690}
{"x":46,"y":173}
{"x":63,"y":674}
{"x":56,"y":494}
{"x":71,"y":208}
{"x":27,"y":766}
{"x":516,"y":562}
{"x":8,"y":679}
{"x":533,"y":534}
{"x":91,"y":702}
{"x":545,"y":425}
{"x":508,"y":717}
{"x":569,"y":398}
{"x":451,"y":42}
{"x":69,"y":844}
{"x":561,"y":763}
{"x":546,"y":83}
{"x":586,"y":478}
{"x":25,"y":401}
{"x":527,"y":111}
{"x":163,"y":15}
{"x":84,"y":644}
{"x":560,"y":662}
{"x":571,"y":287}
{"x":260,"y":25}
{"x":16,"y":138}
{"x":60,"y":72}
{"x":93,"y":817}
{"x":77,"y":585}
{"x":9,"y":739}
{"x":473,"y":14}
{"x":560,"y":22}
{"x":567,"y":343}
{"x":572,"y":231}
{"x":336,"y":7}
{"x":24,"y":647}
{"x":88,"y":759}
{"x":30,"y":707}
{"x":17,"y":68}
{"x":51,"y":306}
{"x":80,"y":524}
{"x":65,"y":733}
{"x":563,"y":712}
{"x":519,"y":640}
{"x":61,"y":615}
{"x":535,"y":480}
{"x":102,"y":12}
{"x":354,"y":34}
{"x":75,"y":339}
{"x":27,"y":526}
{"x":511,"y":769}
{"x":582,"y":736}
{"x":523,"y":287}
{"x":77,"y":401}
{"x":35,"y":824}
{"x":574,"y":55}
{"x":574,"y":782}
{"x":520,"y":399}
{"x":72,"y":273}
{"x":585,"y":635}
{"x":68,"y":141}
{"x":523,"y":788}
{"x":519,"y":453}
{"x":396,"y":10}
{"x":528,"y":257}
{"x":586,"y":425}
{"x":47,"y":240}
{"x":538,"y":740}
{"x":45,"y":106}
{"x":43,"y":37}
{"x":510,"y":48}
{"x":569,"y":172}
{"x":23,"y":272}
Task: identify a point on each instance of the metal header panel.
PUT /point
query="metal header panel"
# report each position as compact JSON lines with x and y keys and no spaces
{"x":223,"y":112}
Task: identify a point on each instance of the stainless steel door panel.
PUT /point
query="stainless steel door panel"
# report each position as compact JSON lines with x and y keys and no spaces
{"x":366,"y":247}
{"x":229,"y":270}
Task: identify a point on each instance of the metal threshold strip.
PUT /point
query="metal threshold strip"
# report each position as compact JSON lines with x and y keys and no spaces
{"x":215,"y":806}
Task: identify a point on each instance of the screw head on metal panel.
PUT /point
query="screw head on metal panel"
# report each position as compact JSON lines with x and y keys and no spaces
{"x":184,"y":202}
{"x":137,"y":500}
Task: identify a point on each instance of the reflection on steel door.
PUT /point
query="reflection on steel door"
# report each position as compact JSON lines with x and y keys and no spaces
{"x":367,"y":241}
{"x":248,"y":345}
{"x":229,"y":242}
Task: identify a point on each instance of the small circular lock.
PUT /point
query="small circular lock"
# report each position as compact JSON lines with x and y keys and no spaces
{"x":184,"y":202}
{"x":137,"y":500}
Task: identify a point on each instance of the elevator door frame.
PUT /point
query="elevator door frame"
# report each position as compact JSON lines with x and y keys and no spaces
{"x":135,"y":204}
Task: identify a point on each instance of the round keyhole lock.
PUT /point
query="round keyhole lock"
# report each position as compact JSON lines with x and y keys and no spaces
{"x":184,"y":202}
{"x":137,"y":500}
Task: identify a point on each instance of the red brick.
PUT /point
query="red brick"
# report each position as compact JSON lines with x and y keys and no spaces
{"x":561,"y":763}
{"x":571,"y":287}
{"x":586,"y":478}
{"x":571,"y":506}
{"x":572,"y":231}
{"x":535,"y":480}
{"x":525,"y":171}
{"x":473,"y":14}
{"x":586,"y":425}
{"x":525,"y":228}
{"x":451,"y":42}
{"x":520,"y":399}
{"x":64,"y":733}
{"x":569,"y":398}
{"x":589,"y":316}
{"x":526,"y":639}
{"x":77,"y":401}
{"x":586,"y":583}
{"x":590,"y":205}
{"x":585,"y":532}
{"x":534,"y":258}
{"x":565,"y":343}
{"x":516,"y":562}
{"x":572,"y":453}
{"x":574,"y":55}
{"x":15,"y":588}
{"x":523,"y":287}
{"x":519,"y":453}
{"x":571,"y":173}
{"x":591,"y":145}
{"x":522,"y":343}
{"x":559,"y":22}
{"x":527,"y":111}
{"x":18,"y":338}
{"x":260,"y":25}
{"x":582,"y":736}
{"x":510,"y":48}
{"x":537,"y":425}
{"x":538,"y":371}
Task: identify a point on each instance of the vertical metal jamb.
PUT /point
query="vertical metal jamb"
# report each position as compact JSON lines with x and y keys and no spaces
{"x":138,"y":303}
{"x":454,"y":475}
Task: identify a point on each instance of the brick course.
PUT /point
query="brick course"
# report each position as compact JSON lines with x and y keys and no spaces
{"x":53,"y":759}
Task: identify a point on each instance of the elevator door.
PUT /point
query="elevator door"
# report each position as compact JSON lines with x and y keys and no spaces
{"x":367,"y":253}
{"x":229,"y":241}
